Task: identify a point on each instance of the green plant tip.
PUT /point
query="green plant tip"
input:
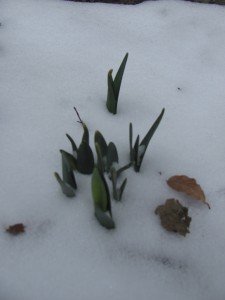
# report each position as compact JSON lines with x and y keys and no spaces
{"x":114,"y":87}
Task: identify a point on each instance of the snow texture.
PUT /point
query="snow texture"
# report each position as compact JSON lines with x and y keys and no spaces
{"x":55,"y":55}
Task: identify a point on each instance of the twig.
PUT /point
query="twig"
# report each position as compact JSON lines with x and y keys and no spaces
{"x":80,"y":121}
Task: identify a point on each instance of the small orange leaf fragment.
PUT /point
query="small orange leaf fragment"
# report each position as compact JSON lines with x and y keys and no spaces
{"x":187,"y":185}
{"x":16,"y":229}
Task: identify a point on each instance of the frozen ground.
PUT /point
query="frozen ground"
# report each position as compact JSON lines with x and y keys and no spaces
{"x":55,"y":55}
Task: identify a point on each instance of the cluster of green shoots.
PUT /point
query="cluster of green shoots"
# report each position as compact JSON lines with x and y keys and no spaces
{"x":106,"y":167}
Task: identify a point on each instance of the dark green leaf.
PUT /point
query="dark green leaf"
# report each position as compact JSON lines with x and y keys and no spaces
{"x":100,"y":160}
{"x":66,"y":189}
{"x":114,"y":182}
{"x":99,"y":139}
{"x":85,"y":159}
{"x":117,"y":193}
{"x":74,"y":147}
{"x":135,"y":154}
{"x":121,"y":189}
{"x":112,"y":155}
{"x":70,"y":159}
{"x":85,"y":138}
{"x":111,"y":102}
{"x":139,"y":150}
{"x":119,"y":77}
{"x":131,"y":141}
{"x":119,"y":171}
{"x":67,"y":171}
{"x":150,"y":133}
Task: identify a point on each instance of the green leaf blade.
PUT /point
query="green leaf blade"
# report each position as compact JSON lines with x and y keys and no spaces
{"x":66,"y":189}
{"x":124,"y":168}
{"x":111,"y":102}
{"x":85,"y":159}
{"x":119,"y":77}
{"x":112,"y":155}
{"x":73,"y":144}
{"x":149,"y":135}
{"x":135,"y":154}
{"x":122,"y":188}
{"x":152,"y":130}
{"x":114,"y":182}
{"x":70,"y":160}
{"x":131,"y":142}
{"x":85,"y":138}
{"x":100,"y":140}
{"x":67,"y":171}
{"x":99,"y":191}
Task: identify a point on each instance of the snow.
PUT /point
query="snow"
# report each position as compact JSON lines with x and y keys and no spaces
{"x":55,"y":55}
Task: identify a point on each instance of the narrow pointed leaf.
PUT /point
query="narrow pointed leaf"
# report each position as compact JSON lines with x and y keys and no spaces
{"x":108,"y":194}
{"x":66,"y":189}
{"x":119,"y":77}
{"x":135,"y":154}
{"x":140,"y":152}
{"x":67,"y":171}
{"x":100,"y":161}
{"x":85,"y":138}
{"x":100,"y":191}
{"x":74,"y":147}
{"x":112,"y":155}
{"x":99,"y":139}
{"x":151,"y":131}
{"x":111,"y":102}
{"x":121,"y":190}
{"x":136,"y":145}
{"x":85,"y":159}
{"x":114,"y":181}
{"x":104,"y":219}
{"x":70,"y":159}
{"x":122,"y":169}
{"x":131,"y":141}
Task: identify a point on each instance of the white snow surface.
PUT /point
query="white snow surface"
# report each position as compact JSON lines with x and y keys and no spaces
{"x":55,"y":55}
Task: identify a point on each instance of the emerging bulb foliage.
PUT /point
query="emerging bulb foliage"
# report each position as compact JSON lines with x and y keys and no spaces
{"x":101,"y":150}
{"x":101,"y":195}
{"x":83,"y":155}
{"x":137,"y":151}
{"x":82,"y":158}
{"x":117,"y":192}
{"x":68,"y":183}
{"x":109,"y":155}
{"x":114,"y":87}
{"x":107,"y":159}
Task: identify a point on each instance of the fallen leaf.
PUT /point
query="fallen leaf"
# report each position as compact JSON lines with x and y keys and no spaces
{"x":187,"y":185}
{"x":174,"y":217}
{"x":16,"y":229}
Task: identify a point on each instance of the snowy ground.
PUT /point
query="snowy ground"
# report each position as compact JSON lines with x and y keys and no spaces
{"x":55,"y":55}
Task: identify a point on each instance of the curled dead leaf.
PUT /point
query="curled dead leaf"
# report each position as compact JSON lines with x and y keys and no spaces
{"x":16,"y":229}
{"x":174,"y":217}
{"x":189,"y":186}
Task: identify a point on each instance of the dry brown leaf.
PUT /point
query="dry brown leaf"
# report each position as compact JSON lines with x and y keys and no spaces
{"x":174,"y":217}
{"x":16,"y":229}
{"x":187,"y":185}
